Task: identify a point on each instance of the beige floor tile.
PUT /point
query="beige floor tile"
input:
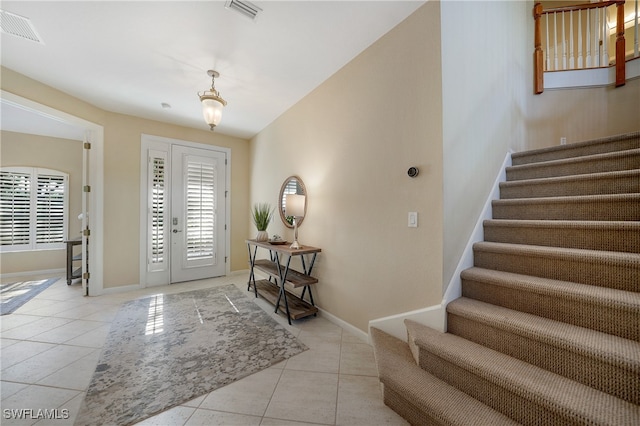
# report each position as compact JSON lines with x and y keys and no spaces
{"x":14,"y":320}
{"x":250,"y":395}
{"x":305,"y":396}
{"x":22,"y":351}
{"x":92,"y":339}
{"x":175,"y":416}
{"x":66,"y":332}
{"x":279,"y":422}
{"x":323,"y":355}
{"x":34,"y":328}
{"x":217,"y":418}
{"x":44,"y":364}
{"x":76,"y":375}
{"x":71,"y":409}
{"x":34,"y":398}
{"x":360,"y":403}
{"x":9,"y":388}
{"x":358,"y":359}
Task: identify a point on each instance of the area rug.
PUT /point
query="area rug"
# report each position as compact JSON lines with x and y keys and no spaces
{"x":165,"y":350}
{"x":17,"y":294}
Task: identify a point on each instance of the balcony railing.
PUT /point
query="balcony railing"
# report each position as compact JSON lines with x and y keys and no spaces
{"x":584,"y":36}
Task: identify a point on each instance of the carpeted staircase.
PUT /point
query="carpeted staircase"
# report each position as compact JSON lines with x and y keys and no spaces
{"x":547,"y":331}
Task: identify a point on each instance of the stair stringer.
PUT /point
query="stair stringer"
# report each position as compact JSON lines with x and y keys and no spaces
{"x":436,"y":316}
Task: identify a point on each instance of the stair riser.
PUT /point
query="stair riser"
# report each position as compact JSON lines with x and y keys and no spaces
{"x":614,"y":185}
{"x":588,"y":165}
{"x":522,"y":408}
{"x":584,"y":270}
{"x":563,"y":361}
{"x":618,"y":321}
{"x":607,"y":239}
{"x":570,"y":210}
{"x":577,"y":150}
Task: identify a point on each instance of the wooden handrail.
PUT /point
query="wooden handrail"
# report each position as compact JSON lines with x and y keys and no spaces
{"x":538,"y":54}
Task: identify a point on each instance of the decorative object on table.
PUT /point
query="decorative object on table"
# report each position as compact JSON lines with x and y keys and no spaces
{"x":277,"y":240}
{"x":17,"y":294}
{"x":167,"y":349}
{"x":296,"y":208}
{"x":262,"y":214}
{"x":291,"y":185}
{"x":212,"y":103}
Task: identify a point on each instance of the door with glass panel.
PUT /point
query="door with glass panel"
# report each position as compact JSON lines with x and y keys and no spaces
{"x":184,"y":205}
{"x":197,"y":214}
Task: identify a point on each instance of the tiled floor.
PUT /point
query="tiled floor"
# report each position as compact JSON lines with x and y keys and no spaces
{"x":51,"y":345}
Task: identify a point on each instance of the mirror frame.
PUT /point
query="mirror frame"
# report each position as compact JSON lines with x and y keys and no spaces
{"x":281,"y":200}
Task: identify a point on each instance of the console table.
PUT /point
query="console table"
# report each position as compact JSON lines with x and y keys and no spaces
{"x":71,"y":273}
{"x":277,"y":268}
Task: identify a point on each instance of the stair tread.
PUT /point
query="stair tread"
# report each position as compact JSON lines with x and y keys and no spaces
{"x":571,"y":178}
{"x":570,"y":199}
{"x":525,"y":380}
{"x":568,"y":289}
{"x":575,"y":160}
{"x":563,"y":224}
{"x":397,"y":369}
{"x":602,"y":346}
{"x":632,"y":259}
{"x":577,"y":145}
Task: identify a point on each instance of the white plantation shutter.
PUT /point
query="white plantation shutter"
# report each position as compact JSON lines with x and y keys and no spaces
{"x":50,"y":209}
{"x":15,"y":207}
{"x":158,"y":211}
{"x":33,"y":208}
{"x":200,"y":210}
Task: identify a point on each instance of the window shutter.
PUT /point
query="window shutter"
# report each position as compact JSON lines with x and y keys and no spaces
{"x":157,"y":184}
{"x":201,"y":210}
{"x":51,"y":223}
{"x":15,"y":207}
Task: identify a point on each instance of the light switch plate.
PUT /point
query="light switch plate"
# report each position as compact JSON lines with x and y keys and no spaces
{"x":413,"y":219}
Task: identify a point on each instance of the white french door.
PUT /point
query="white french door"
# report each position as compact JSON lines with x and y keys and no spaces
{"x":196,"y":250}
{"x":184,"y":218}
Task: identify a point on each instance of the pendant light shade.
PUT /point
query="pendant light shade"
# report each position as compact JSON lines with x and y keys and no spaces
{"x":212,"y":103}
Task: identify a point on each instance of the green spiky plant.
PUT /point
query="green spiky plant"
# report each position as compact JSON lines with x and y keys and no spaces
{"x":262,"y":214}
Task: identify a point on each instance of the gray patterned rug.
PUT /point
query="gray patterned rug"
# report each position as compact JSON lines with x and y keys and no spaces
{"x":17,"y":294}
{"x":165,"y":350}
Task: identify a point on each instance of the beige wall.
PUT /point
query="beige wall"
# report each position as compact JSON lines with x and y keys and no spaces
{"x":351,"y":141}
{"x":582,"y":114}
{"x":486,"y":82}
{"x":122,"y":176}
{"x":18,"y":149}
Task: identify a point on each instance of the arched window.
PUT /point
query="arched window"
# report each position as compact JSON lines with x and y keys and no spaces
{"x":34,"y":204}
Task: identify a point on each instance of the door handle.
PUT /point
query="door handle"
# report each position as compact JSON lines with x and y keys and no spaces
{"x":176,"y":231}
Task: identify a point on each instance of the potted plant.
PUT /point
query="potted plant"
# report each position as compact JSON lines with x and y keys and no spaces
{"x":262,"y":214}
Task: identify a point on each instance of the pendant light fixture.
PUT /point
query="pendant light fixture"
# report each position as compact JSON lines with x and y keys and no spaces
{"x":212,"y":103}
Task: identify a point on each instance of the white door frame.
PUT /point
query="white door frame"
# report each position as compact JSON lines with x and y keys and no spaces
{"x":157,"y":142}
{"x":95,"y":135}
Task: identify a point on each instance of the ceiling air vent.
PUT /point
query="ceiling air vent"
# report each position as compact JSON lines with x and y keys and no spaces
{"x":244,"y":8}
{"x":18,"y":26}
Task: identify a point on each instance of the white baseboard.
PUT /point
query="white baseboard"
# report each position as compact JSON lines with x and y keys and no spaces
{"x":436,"y":316}
{"x":345,"y":325}
{"x":61,"y":272}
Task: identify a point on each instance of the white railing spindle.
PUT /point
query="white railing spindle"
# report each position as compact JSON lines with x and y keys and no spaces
{"x":546,"y":52}
{"x":572,"y":61}
{"x":555,"y":41}
{"x":580,"y":59}
{"x":588,"y":38}
{"x":605,"y":38}
{"x":564,"y":44}
{"x":596,"y":40}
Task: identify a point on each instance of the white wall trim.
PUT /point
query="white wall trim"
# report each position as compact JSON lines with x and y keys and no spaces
{"x":345,"y":325}
{"x":592,"y":77}
{"x":436,"y":316}
{"x":96,"y":179}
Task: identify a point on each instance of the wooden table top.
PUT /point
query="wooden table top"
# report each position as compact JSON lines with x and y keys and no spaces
{"x":285,"y":248}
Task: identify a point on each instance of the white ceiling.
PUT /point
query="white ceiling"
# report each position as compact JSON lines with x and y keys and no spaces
{"x":130,"y":57}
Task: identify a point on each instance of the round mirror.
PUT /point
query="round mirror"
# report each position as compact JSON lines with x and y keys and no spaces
{"x":291,"y":185}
